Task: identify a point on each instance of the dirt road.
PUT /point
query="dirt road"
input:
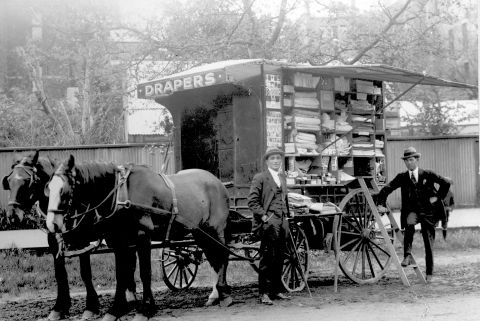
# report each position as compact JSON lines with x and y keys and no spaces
{"x":454,"y":295}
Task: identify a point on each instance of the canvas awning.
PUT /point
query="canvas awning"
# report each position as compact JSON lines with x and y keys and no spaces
{"x":221,"y":72}
{"x":381,"y":73}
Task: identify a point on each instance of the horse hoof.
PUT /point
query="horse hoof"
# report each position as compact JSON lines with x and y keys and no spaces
{"x":109,"y":317}
{"x":88,"y":315}
{"x":226,"y":302}
{"x":211,"y":302}
{"x":140,"y":317}
{"x":54,"y":316}
{"x":131,"y":297}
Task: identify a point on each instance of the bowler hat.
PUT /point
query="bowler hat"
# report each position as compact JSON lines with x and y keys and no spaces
{"x":272,"y":151}
{"x":410,"y":152}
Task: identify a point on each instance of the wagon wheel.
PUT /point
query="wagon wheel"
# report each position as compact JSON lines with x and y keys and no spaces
{"x":180,"y":266}
{"x":292,"y":276}
{"x":364,"y":255}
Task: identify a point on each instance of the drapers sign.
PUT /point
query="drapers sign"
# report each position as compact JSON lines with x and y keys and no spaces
{"x":169,"y":86}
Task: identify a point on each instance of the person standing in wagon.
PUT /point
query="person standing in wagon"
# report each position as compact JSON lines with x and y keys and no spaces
{"x":269,"y":203}
{"x":421,"y":203}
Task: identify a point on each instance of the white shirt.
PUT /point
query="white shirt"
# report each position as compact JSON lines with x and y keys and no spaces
{"x":415,"y":174}
{"x":275,"y":176}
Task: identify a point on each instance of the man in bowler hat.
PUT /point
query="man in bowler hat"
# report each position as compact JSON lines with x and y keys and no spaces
{"x":421,"y":203}
{"x":269,"y":203}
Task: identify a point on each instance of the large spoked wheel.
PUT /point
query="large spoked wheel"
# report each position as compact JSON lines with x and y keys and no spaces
{"x":295,"y":265}
{"x":364,"y":255}
{"x":180,"y":266}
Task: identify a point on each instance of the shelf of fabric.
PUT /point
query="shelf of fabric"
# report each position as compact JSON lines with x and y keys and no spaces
{"x":303,"y":108}
{"x":302,"y":155}
{"x":354,"y":93}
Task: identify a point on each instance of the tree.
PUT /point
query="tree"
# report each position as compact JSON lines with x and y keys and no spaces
{"x":435,"y":117}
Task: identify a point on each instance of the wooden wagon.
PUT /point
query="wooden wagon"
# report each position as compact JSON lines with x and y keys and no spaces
{"x":331,"y":123}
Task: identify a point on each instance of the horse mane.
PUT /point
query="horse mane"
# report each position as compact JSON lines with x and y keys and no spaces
{"x":95,"y":172}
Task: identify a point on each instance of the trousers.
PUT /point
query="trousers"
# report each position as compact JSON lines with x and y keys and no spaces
{"x":274,"y":235}
{"x":428,"y":233}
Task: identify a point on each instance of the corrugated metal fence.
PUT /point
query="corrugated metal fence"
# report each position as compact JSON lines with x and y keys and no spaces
{"x":454,"y":157}
{"x":151,"y":155}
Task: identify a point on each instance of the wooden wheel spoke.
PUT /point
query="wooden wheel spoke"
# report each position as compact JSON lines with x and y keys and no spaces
{"x":356,"y":258}
{"x":369,"y":261}
{"x":187,"y":280}
{"x":350,"y":242}
{"x":375,"y":256}
{"x":180,"y":272}
{"x":360,"y":228}
{"x":171,"y":271}
{"x":363,"y":261}
{"x":190,"y":271}
{"x":170,"y":263}
{"x":351,"y":224}
{"x":376,"y":245}
{"x":351,"y":251}
{"x":176,"y":276}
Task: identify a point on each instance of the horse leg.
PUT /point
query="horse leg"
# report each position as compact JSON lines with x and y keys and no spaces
{"x":218,"y":259}
{"x":93,"y":305}
{"x":226,"y":299}
{"x":147,"y":308}
{"x":131,"y":286}
{"x":122,"y":273}
{"x":62,"y":305}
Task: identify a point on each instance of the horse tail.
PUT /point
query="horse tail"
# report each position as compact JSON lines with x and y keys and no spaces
{"x":228,"y":229}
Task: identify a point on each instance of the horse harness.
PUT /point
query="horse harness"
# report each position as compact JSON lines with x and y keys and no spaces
{"x":120,"y":196}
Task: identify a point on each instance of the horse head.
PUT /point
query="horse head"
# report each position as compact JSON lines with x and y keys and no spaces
{"x":59,"y":191}
{"x":25,"y":182}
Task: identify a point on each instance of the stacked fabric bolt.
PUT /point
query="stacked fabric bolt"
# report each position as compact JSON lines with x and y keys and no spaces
{"x":306,"y":120}
{"x":361,"y":152}
{"x":379,"y":143}
{"x":298,"y":200}
{"x":361,"y":106}
{"x":306,"y":100}
{"x":361,"y":139}
{"x":342,"y":125}
{"x":379,"y":152}
{"x":301,"y":79}
{"x":306,"y":143}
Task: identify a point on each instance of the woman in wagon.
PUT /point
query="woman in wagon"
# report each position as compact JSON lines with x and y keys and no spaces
{"x":269,"y":203}
{"x":421,"y":203}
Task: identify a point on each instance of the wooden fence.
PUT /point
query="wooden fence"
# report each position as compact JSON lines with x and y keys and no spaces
{"x":455,"y":157}
{"x":151,"y":155}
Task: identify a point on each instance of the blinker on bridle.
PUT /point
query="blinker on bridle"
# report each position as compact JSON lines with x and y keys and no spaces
{"x":32,"y":177}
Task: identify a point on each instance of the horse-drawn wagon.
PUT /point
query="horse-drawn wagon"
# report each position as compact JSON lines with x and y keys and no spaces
{"x":329,"y":120}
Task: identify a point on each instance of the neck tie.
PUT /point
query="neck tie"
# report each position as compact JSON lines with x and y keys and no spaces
{"x":413,"y":178}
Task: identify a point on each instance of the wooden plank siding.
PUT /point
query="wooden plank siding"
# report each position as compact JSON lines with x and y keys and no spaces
{"x":119,"y":154}
{"x":455,"y":157}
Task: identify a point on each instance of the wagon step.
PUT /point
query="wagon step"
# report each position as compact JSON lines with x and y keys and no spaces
{"x":396,"y":229}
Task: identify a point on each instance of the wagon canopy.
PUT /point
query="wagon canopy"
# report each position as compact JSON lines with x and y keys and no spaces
{"x":382,"y":73}
{"x":236,"y":72}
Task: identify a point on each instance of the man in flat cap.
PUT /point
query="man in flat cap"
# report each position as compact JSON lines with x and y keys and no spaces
{"x":269,"y":203}
{"x":421,"y":203}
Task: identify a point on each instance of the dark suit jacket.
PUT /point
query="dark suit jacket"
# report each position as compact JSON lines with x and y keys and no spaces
{"x":426,"y":189}
{"x":261,"y":195}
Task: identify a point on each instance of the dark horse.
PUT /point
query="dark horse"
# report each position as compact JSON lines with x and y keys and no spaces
{"x":26,"y":183}
{"x":203,"y":207}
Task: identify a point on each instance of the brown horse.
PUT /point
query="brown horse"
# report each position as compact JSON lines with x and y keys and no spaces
{"x":203,"y":207}
{"x":26,"y":182}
